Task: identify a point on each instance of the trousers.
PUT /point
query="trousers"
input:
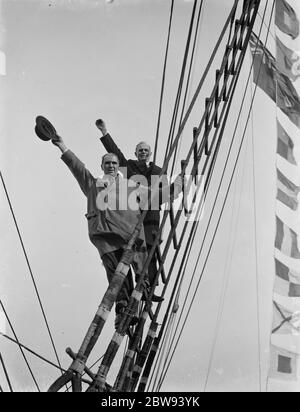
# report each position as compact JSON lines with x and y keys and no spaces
{"x":110,"y":261}
{"x":152,"y":269}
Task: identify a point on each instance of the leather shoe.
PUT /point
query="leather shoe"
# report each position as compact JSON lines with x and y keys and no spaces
{"x":120,"y":309}
{"x":154,"y":298}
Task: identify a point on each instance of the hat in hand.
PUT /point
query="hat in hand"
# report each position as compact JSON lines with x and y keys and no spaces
{"x":44,"y":129}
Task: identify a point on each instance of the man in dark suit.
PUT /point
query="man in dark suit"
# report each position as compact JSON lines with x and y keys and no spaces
{"x":139,"y":167}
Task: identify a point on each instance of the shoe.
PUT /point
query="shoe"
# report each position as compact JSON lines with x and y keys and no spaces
{"x":154,"y":298}
{"x":120,"y":306}
{"x":120,"y":309}
{"x":134,"y":320}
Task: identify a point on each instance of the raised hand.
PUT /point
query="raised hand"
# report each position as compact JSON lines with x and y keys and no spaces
{"x":57,"y":140}
{"x":101,"y":126}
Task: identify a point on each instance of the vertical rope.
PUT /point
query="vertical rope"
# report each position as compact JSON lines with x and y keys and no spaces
{"x":256,"y":250}
{"x":221,"y":213}
{"x":227,"y":269}
{"x":23,"y":354}
{"x":179,"y":90}
{"x":163,"y":82}
{"x":30,"y":270}
{"x":5,"y":372}
{"x":177,"y":151}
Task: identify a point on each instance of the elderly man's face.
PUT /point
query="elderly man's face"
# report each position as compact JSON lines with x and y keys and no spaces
{"x":110,"y":165}
{"x":143,"y":152}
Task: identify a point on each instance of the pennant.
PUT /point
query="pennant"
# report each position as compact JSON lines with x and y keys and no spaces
{"x":264,"y":68}
{"x":287,"y":281}
{"x":286,"y":240}
{"x":287,"y":191}
{"x":285,"y":145}
{"x":285,"y":321}
{"x":269,"y":79}
{"x":286,"y":19}
{"x":288,"y":99}
{"x":283,"y":364}
{"x":287,"y":61}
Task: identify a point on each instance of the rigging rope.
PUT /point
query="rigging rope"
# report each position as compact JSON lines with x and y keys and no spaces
{"x":193,"y":238}
{"x":256,"y":254}
{"x":221,"y":213}
{"x":188,"y":83}
{"x":164,"y":345}
{"x":226,"y":273}
{"x":112,"y":350}
{"x":31,"y":351}
{"x":187,"y":86}
{"x":163,"y":82}
{"x":230,"y":89}
{"x":179,"y":278}
{"x":23,"y":354}
{"x":223,"y":300}
{"x":192,"y":146}
{"x":29,"y":268}
{"x":214,"y":205}
{"x":200,"y":87}
{"x":181,"y":80}
{"x":6,"y":374}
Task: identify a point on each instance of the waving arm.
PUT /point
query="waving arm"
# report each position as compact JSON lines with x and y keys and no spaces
{"x":109,"y":143}
{"x":78,"y":169}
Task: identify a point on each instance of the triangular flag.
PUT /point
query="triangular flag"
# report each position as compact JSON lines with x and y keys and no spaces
{"x":288,"y":99}
{"x":264,"y":69}
{"x":277,"y":85}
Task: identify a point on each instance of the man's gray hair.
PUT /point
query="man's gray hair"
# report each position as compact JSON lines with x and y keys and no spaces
{"x":136,"y":148}
{"x":109,"y":154}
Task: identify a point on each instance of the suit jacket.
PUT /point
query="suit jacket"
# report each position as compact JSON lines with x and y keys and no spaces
{"x":111,"y":228}
{"x":151,"y":222}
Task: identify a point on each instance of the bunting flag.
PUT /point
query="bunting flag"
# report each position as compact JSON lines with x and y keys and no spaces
{"x":288,"y":61}
{"x":285,"y":321}
{"x":285,"y":145}
{"x":286,"y":240}
{"x":286,"y":19}
{"x":287,"y":191}
{"x":279,"y":79}
{"x":288,"y":99}
{"x":264,"y":67}
{"x":287,"y":281}
{"x":274,"y":83}
{"x":283,"y":364}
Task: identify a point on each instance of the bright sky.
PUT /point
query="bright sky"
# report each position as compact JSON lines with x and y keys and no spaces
{"x":74,"y":61}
